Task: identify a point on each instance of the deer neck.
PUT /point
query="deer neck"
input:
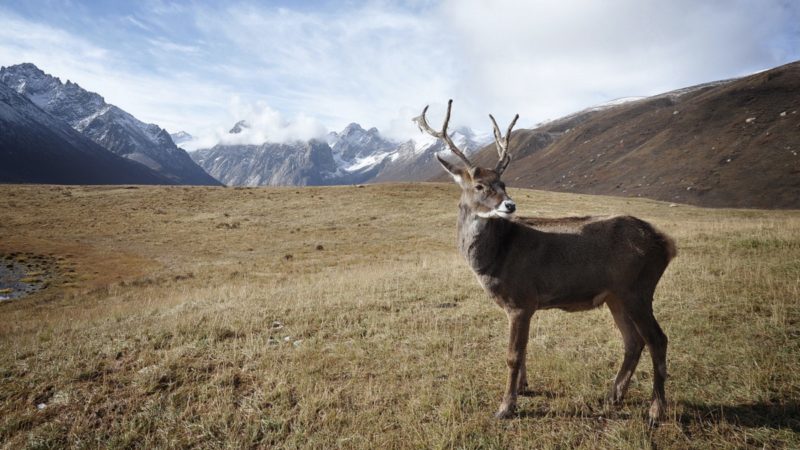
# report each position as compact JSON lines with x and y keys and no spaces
{"x":482,"y":240}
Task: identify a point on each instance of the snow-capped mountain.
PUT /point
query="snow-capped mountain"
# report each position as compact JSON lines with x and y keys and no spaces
{"x":180,"y":137}
{"x":295,"y":164}
{"x":360,"y":153}
{"x":107,"y":125}
{"x":354,"y":155}
{"x":414,"y":160}
{"x":354,"y":143}
{"x":239,"y":127}
{"x":366,"y":156}
{"x":36,"y":147}
{"x":269,"y":164}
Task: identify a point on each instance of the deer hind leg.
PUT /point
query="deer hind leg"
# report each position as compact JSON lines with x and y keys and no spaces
{"x":656,"y":342}
{"x":519,"y":324}
{"x":633,"y":351}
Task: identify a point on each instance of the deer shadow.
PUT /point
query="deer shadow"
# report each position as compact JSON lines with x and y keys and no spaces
{"x":529,"y":392}
{"x":776,"y":415}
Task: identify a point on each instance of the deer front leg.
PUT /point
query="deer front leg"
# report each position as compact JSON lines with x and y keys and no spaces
{"x":519,"y":323}
{"x":522,"y":385}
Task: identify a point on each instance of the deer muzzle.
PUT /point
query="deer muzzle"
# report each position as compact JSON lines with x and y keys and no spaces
{"x":507,"y":207}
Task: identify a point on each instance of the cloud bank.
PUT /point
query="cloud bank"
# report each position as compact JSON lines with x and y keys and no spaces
{"x":326,"y":64}
{"x":261,"y":124}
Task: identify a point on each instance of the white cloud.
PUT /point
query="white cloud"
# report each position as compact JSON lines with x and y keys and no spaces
{"x":172,"y":47}
{"x":174,"y":100}
{"x":545,"y":59}
{"x":379,"y":63}
{"x":363,"y":64}
{"x":263,"y":124}
{"x":138,"y":23}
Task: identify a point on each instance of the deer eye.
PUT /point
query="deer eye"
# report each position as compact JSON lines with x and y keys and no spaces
{"x":478,"y":187}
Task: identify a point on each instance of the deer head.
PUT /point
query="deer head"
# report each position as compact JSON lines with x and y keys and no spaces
{"x":482,"y":191}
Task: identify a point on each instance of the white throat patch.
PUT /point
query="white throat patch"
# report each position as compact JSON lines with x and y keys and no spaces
{"x":494,"y":214}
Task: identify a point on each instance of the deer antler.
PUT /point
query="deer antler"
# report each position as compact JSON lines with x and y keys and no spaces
{"x":502,"y":144}
{"x":422,"y":123}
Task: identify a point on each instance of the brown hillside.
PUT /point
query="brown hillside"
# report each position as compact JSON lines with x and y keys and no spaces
{"x":733,"y":143}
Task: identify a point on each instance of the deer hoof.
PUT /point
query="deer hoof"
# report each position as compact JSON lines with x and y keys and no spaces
{"x":505,"y":413}
{"x":656,"y":413}
{"x":614,"y":399}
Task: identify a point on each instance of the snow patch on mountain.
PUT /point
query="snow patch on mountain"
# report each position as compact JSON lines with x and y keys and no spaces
{"x":355,"y":149}
{"x":366,"y":161}
{"x":352,"y":155}
{"x":36,"y":147}
{"x":180,"y":137}
{"x":107,"y":125}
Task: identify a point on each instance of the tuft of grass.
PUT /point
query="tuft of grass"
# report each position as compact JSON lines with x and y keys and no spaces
{"x":223,"y":318}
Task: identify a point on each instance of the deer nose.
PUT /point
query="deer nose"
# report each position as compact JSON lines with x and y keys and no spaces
{"x":510,"y":206}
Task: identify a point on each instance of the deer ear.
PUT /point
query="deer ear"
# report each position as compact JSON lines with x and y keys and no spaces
{"x":455,"y":172}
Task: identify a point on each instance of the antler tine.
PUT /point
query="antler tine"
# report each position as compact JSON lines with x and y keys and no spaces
{"x":502,"y":144}
{"x":447,"y":117}
{"x":498,"y":138}
{"x":422,"y":123}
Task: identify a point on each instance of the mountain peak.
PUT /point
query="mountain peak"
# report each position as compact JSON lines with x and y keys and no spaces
{"x":180,"y":137}
{"x":107,"y":125}
{"x":464,"y":130}
{"x":25,"y":77}
{"x":239,"y":126}
{"x":351,"y":128}
{"x":355,"y":144}
{"x":29,"y":69}
{"x":44,"y":149}
{"x":68,"y":100}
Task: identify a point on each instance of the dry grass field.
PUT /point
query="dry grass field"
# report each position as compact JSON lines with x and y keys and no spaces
{"x":343,"y":317}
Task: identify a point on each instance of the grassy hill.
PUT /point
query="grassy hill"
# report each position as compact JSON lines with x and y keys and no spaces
{"x":726,"y":144}
{"x":344,"y":317}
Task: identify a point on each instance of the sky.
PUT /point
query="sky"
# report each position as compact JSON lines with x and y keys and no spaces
{"x":297,"y":69}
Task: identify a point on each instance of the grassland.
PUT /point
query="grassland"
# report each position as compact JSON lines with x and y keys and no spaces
{"x":343,"y":317}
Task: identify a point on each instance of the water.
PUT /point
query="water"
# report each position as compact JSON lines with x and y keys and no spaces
{"x":21,"y":275}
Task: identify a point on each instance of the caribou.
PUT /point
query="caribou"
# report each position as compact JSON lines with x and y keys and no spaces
{"x":527,"y":264}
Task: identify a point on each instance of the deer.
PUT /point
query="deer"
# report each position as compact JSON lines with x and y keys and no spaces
{"x":526,"y":264}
